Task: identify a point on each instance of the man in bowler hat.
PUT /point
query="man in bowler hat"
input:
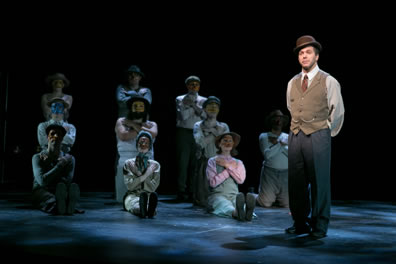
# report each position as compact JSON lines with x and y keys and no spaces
{"x":317,"y":114}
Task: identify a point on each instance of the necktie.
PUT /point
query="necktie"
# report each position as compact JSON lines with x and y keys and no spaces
{"x":305,"y":83}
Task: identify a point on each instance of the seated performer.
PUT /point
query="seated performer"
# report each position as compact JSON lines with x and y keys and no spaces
{"x":142,"y":178}
{"x":224,"y":174}
{"x":53,"y":170}
{"x":127,"y":129}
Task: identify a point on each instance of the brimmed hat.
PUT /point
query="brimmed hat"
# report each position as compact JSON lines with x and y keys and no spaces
{"x":306,"y":40}
{"x":58,"y":99}
{"x":274,"y":114}
{"x":135,"y":68}
{"x":210,"y":100}
{"x":140,"y":98}
{"x":57,"y":76}
{"x":55,"y":126}
{"x":235,"y":137}
{"x":146,"y":134}
{"x":192,"y":78}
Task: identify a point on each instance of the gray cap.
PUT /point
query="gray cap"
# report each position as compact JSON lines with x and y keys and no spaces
{"x":211,"y":99}
{"x":192,"y":78}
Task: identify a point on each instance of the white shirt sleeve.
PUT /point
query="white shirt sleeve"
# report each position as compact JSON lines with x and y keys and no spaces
{"x":183,"y":112}
{"x":336,"y":105}
{"x":288,"y":95}
{"x":70,"y":136}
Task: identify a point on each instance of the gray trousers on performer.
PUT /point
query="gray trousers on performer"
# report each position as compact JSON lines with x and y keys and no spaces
{"x":309,"y":178}
{"x":186,"y":159}
{"x":44,"y":200}
{"x":273,"y":187}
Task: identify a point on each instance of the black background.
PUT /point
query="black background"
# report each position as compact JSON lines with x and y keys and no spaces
{"x":243,"y":55}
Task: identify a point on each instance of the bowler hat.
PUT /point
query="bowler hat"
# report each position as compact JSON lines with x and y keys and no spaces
{"x":57,"y":76}
{"x":211,"y":99}
{"x":304,"y":41}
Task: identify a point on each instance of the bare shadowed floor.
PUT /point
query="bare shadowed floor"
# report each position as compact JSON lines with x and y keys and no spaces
{"x":360,"y":232}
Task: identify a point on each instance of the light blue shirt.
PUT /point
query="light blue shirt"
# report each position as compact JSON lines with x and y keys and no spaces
{"x":275,"y":155}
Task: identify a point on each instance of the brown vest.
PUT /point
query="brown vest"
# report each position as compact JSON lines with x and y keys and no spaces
{"x":309,"y":109}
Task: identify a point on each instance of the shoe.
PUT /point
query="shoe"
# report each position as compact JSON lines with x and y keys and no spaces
{"x":152,"y":204}
{"x":303,"y":229}
{"x":74,"y":196}
{"x":143,"y":204}
{"x":240,"y":204}
{"x":317,"y":234}
{"x":60,"y":196}
{"x":250,"y":203}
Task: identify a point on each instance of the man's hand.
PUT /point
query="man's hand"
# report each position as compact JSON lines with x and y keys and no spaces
{"x":153,"y":167}
{"x":135,"y":170}
{"x":213,"y":130}
{"x":273,"y":140}
{"x":283,"y":142}
{"x":43,"y":155}
{"x":65,"y":160}
{"x":131,"y":125}
{"x":226,"y":164}
{"x":187,"y":100}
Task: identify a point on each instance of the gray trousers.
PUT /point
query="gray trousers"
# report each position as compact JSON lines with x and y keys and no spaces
{"x":201,"y":183}
{"x":273,"y":187}
{"x":186,"y":159}
{"x":309,"y":178}
{"x":44,"y":199}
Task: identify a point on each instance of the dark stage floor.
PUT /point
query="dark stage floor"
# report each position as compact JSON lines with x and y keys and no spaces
{"x":360,"y":232}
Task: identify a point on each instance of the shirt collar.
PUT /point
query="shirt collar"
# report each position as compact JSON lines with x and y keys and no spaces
{"x":312,"y":73}
{"x":58,"y":122}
